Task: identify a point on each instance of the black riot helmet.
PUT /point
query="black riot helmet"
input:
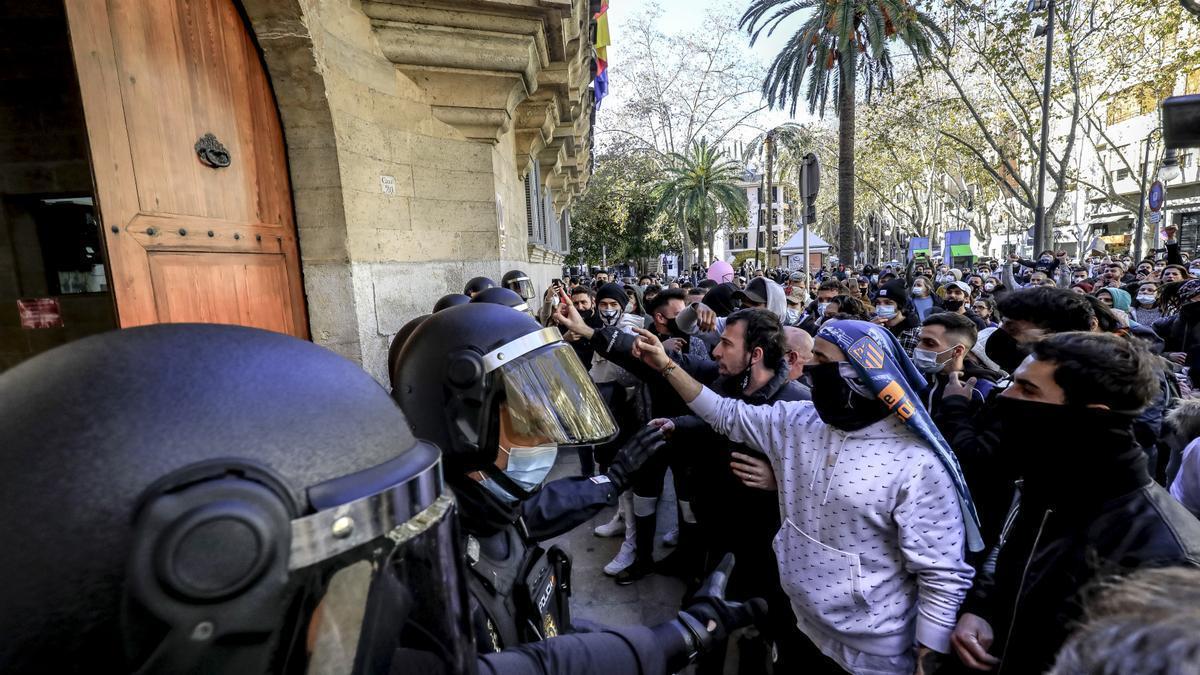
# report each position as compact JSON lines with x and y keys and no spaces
{"x":476,"y":285}
{"x":501,"y":296}
{"x":189,"y":498}
{"x":451,"y":300}
{"x":518,"y":282}
{"x":398,"y":341}
{"x":465,"y":367}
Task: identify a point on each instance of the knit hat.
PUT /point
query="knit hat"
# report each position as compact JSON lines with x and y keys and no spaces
{"x":612,"y":291}
{"x":1120,"y":298}
{"x":1086,"y":286}
{"x":1189,"y":290}
{"x":895,"y":291}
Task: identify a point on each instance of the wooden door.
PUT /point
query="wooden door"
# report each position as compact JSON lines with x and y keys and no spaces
{"x":187,"y":240}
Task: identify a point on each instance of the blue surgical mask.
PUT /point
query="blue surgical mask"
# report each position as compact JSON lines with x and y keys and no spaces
{"x":493,"y":487}
{"x":885,"y":311}
{"x":528,"y":467}
{"x":821,"y":307}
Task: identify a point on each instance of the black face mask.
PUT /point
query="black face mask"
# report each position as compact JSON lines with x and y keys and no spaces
{"x":1073,"y":445}
{"x":837,"y":404}
{"x":952,"y":305}
{"x":1005,"y":351}
{"x":587,"y":315}
{"x":1190,"y":312}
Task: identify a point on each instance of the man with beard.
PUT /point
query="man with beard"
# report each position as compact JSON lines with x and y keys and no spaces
{"x":583,"y":300}
{"x":1087,"y":508}
{"x":956,"y":301}
{"x":874,"y":509}
{"x":732,"y":517}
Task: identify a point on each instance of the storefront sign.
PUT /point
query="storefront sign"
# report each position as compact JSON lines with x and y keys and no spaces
{"x":39,"y":313}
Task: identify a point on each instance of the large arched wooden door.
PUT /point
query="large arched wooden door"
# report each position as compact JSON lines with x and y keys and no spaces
{"x":189,"y":164}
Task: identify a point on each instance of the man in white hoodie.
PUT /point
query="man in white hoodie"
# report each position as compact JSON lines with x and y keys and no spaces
{"x":876,"y":514}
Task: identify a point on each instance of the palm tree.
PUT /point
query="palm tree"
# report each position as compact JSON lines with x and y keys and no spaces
{"x":853,"y":35}
{"x":788,"y":140}
{"x":696,"y":189}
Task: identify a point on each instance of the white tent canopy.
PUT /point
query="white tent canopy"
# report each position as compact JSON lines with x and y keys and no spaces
{"x":795,"y":244}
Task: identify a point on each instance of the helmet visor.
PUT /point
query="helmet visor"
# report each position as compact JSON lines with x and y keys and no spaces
{"x":522,"y":286}
{"x":396,"y":612}
{"x":550,"y":397}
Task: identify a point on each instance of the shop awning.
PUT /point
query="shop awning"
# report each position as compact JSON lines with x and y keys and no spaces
{"x":1105,"y":220}
{"x":961,"y":251}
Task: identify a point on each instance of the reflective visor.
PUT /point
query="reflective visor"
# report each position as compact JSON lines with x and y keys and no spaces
{"x":522,"y":286}
{"x":401,"y":610}
{"x":550,"y":397}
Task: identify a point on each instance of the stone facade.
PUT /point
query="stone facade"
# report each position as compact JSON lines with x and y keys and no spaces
{"x":410,"y":127}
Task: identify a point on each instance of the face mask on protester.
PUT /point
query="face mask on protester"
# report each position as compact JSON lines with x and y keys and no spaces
{"x":1069,"y":440}
{"x":587,"y":314}
{"x":952,"y":305}
{"x":674,"y":329}
{"x":630,"y":306}
{"x":918,"y":291}
{"x":1004,"y":350}
{"x":1146,"y":298}
{"x":838,"y":403}
{"x":885,"y":311}
{"x":1046,"y":259}
{"x":821,"y":307}
{"x":926,"y":361}
{"x":609,"y":316}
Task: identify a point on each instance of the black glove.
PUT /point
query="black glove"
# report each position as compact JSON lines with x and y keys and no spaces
{"x":630,"y":458}
{"x":708,"y":621}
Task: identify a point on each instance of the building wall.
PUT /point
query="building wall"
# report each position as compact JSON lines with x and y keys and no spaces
{"x":409,"y":129}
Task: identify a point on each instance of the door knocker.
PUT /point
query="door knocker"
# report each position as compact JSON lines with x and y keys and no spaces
{"x":211,"y":153}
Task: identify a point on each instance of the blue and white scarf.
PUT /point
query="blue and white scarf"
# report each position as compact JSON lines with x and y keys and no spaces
{"x":881,"y":362}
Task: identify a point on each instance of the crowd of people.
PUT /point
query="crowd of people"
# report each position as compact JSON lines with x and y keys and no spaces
{"x":929,"y":467}
{"x":948,"y":455}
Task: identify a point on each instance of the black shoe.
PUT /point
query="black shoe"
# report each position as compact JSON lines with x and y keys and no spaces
{"x":639,"y":569}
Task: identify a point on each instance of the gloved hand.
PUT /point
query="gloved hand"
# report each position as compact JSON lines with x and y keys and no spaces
{"x":708,"y":621}
{"x":630,"y":458}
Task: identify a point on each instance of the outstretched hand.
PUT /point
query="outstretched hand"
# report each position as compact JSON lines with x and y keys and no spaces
{"x":650,"y":350}
{"x":957,"y":388}
{"x":566,"y":316}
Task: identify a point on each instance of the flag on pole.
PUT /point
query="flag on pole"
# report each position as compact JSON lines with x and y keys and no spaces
{"x":603,"y":39}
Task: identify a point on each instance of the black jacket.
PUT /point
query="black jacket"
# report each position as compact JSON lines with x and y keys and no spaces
{"x":735,"y":518}
{"x":973,"y":432}
{"x":1062,"y":538}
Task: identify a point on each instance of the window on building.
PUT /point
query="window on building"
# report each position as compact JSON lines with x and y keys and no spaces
{"x":1191,"y":84}
{"x":738,"y":240}
{"x":1121,"y":174}
{"x":1140,"y":99}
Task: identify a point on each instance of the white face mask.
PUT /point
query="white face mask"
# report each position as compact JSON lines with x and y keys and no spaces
{"x":1194,"y":271}
{"x":1146,"y":298}
{"x":989,"y":287}
{"x":885,"y":311}
{"x":629,"y":306}
{"x":821,"y":307}
{"x":609,"y":316}
{"x":927,"y":361}
{"x":918,"y":291}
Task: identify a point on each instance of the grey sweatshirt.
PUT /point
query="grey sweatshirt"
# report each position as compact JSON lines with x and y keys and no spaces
{"x":872,"y":543}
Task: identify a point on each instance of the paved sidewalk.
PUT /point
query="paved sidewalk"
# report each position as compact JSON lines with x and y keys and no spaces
{"x":596,"y":597}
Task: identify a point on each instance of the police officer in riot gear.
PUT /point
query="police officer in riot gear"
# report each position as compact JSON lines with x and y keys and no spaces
{"x":217,"y":499}
{"x":510,"y":393}
{"x":518,"y":282}
{"x":476,"y":285}
{"x":501,"y":296}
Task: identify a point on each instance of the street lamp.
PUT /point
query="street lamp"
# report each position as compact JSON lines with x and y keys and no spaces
{"x":1168,"y":172}
{"x":1040,"y":240}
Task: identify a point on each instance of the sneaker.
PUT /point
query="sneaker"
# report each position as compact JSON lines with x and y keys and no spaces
{"x":671,"y":538}
{"x":613,"y":528}
{"x":636,"y":571}
{"x":624,"y":559}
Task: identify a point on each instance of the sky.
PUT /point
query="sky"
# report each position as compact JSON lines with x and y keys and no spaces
{"x":683,"y":15}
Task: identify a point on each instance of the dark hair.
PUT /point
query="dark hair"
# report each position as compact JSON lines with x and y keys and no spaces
{"x":957,"y":325}
{"x":1056,"y":310}
{"x":831,"y":285}
{"x":697,"y":291}
{"x":706,"y":284}
{"x":852,"y":306}
{"x":647,"y":277}
{"x":652,"y":288}
{"x":1101,"y":368}
{"x":578,"y":290}
{"x":764,"y":330}
{"x":1106,"y":321}
{"x":663,"y":298}
{"x":991,"y":304}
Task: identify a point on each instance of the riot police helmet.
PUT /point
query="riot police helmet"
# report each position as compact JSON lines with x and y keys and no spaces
{"x":476,"y":285}
{"x":190,"y":498}
{"x":501,"y":296}
{"x":481,"y":378}
{"x":398,"y":341}
{"x":450,"y":300}
{"x":518,"y":282}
